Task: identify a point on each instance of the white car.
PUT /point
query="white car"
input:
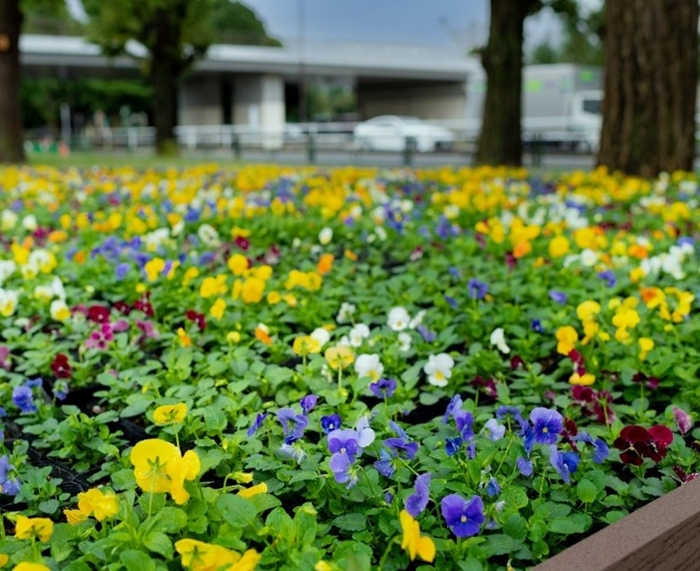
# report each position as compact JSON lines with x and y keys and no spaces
{"x":391,"y":133}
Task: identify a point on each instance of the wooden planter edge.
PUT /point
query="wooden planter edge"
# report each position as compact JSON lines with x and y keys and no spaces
{"x":663,"y":535}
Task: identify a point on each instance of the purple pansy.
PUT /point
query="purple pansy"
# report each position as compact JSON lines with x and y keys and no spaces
{"x":257,"y":423}
{"x":344,"y":441}
{"x":308,"y":403}
{"x":417,"y":502}
{"x":558,"y":296}
{"x":565,"y":463}
{"x":22,"y":398}
{"x":330,"y":423}
{"x":462,"y":517}
{"x":477,"y":289}
{"x":293,"y":424}
{"x":383,"y":388}
{"x":547,"y":424}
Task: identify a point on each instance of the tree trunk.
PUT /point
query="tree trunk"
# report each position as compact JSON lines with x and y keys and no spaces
{"x":502,"y":58}
{"x":651,"y":75}
{"x":11,"y":141}
{"x":166,"y":69}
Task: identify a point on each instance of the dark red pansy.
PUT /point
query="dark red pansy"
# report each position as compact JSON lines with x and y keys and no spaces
{"x":487,"y":386}
{"x":61,"y":367}
{"x":242,"y":242}
{"x":122,"y":307}
{"x":516,"y":361}
{"x":198,"y":318}
{"x":98,"y":314}
{"x":661,"y":438}
{"x":633,"y":444}
{"x":641,"y":379}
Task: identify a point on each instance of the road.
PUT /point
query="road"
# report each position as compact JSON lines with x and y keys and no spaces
{"x":381,"y":159}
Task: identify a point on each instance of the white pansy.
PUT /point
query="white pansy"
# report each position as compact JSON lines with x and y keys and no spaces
{"x":153,"y":240}
{"x":8,"y":302}
{"x":43,"y":293}
{"x":321,"y":335}
{"x":57,"y":288}
{"x":59,"y":310}
{"x":418,"y":319}
{"x":208,"y":234}
{"x":178,"y":228}
{"x":439,"y":369}
{"x":29,"y":222}
{"x":7,"y":268}
{"x":8,"y":220}
{"x":588,"y":257}
{"x":358,"y":334}
{"x":398,"y":319}
{"x":365,"y":435}
{"x":347,"y":310}
{"x":404,"y":341}
{"x":494,"y":430}
{"x":369,"y":365}
{"x":498,"y":339}
{"x":325,"y":236}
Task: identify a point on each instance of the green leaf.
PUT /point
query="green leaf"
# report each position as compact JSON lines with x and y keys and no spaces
{"x":159,"y":543}
{"x":236,"y":510}
{"x":586,"y":491}
{"x":49,"y":506}
{"x":516,"y":527}
{"x":264,"y":502}
{"x":499,"y":544}
{"x":135,"y":560}
{"x":574,"y":523}
{"x":351,"y":522}
{"x":515,"y":497}
{"x":612,"y":516}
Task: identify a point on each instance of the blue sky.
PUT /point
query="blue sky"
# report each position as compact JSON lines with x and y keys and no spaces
{"x":385,"y":21}
{"x":456,"y":24}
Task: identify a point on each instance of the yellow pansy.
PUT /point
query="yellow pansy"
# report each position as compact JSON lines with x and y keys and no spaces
{"x":645,"y":345}
{"x":413,"y":542}
{"x":154,"y":268}
{"x":339,"y":357}
{"x":252,"y":290}
{"x":159,"y":467}
{"x":213,"y":286}
{"x":190,"y":274}
{"x":170,"y":413}
{"x":233,"y":337}
{"x":101,"y":504}
{"x":567,"y":337}
{"x":238,"y":264}
{"x":585,"y":379}
{"x":306,"y":345}
{"x":587,"y":310}
{"x":39,"y":528}
{"x":217,"y":310}
{"x":29,"y":566}
{"x":183,"y":338}
{"x":74,"y":517}
{"x":253,"y":491}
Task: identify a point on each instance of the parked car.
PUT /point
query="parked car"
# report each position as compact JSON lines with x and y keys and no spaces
{"x":394,"y":132}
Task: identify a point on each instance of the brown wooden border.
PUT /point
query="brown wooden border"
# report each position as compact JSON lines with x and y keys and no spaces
{"x":662,"y":536}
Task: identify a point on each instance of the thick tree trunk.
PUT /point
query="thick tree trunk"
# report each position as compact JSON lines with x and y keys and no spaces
{"x":166,"y":69}
{"x":11,"y":143}
{"x":502,"y":58}
{"x":651,"y":75}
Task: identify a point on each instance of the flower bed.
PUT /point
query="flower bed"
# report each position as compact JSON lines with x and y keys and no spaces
{"x":305,"y":369}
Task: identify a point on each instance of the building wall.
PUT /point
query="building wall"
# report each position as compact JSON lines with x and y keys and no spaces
{"x":200,"y":101}
{"x":441,"y":101}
